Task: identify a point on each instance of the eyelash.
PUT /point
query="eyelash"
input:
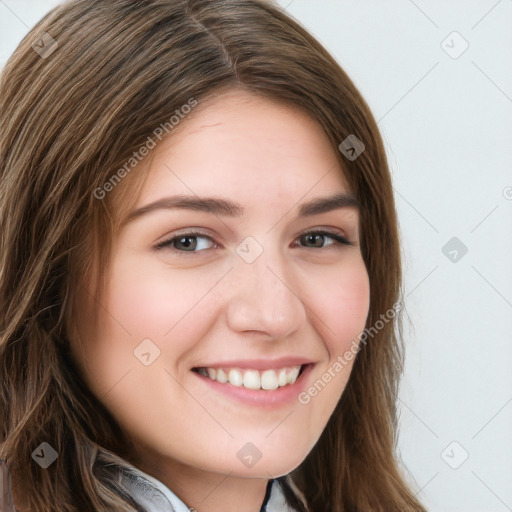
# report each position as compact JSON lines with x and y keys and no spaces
{"x":339,"y":240}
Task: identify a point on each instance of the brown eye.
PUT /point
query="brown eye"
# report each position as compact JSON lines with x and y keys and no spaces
{"x":318,"y":238}
{"x":186,"y":242}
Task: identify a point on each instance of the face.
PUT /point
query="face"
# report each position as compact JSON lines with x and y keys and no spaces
{"x":202,"y":289}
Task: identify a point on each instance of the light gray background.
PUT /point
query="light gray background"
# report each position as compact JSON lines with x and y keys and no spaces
{"x":447,"y":125}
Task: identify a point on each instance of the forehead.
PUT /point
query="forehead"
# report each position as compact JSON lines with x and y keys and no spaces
{"x":247,"y":147}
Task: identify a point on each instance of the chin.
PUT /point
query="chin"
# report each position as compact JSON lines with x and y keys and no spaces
{"x":269,"y":467}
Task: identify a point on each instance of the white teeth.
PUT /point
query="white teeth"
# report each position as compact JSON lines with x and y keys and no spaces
{"x":292,"y":376}
{"x":269,"y":380}
{"x":221,"y":376}
{"x":253,"y":379}
{"x":236,"y":378}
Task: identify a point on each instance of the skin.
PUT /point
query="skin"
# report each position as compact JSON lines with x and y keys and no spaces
{"x":298,"y":297}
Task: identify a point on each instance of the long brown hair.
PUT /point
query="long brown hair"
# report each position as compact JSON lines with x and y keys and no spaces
{"x":82,"y":92}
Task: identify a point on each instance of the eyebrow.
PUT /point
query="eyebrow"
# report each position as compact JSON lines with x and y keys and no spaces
{"x":225,"y":207}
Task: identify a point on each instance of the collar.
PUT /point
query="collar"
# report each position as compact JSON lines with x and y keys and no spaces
{"x":156,"y":497}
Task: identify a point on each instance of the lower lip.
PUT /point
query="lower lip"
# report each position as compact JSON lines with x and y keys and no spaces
{"x":262,"y":397}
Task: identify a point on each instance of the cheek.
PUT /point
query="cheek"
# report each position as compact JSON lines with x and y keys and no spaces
{"x":144,"y":302}
{"x":342,"y":302}
{"x":167,"y":306}
{"x":150,"y":301}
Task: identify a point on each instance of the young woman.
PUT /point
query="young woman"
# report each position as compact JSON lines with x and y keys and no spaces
{"x":200,"y":281}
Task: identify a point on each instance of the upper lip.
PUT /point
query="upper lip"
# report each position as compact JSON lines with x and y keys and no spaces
{"x":259,"y":364}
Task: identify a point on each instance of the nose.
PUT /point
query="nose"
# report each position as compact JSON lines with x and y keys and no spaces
{"x":265,"y":296}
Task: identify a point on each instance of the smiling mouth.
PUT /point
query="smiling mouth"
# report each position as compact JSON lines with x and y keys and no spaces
{"x":254,"y":379}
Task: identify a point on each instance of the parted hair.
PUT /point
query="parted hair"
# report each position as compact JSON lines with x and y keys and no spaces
{"x":80,"y":94}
